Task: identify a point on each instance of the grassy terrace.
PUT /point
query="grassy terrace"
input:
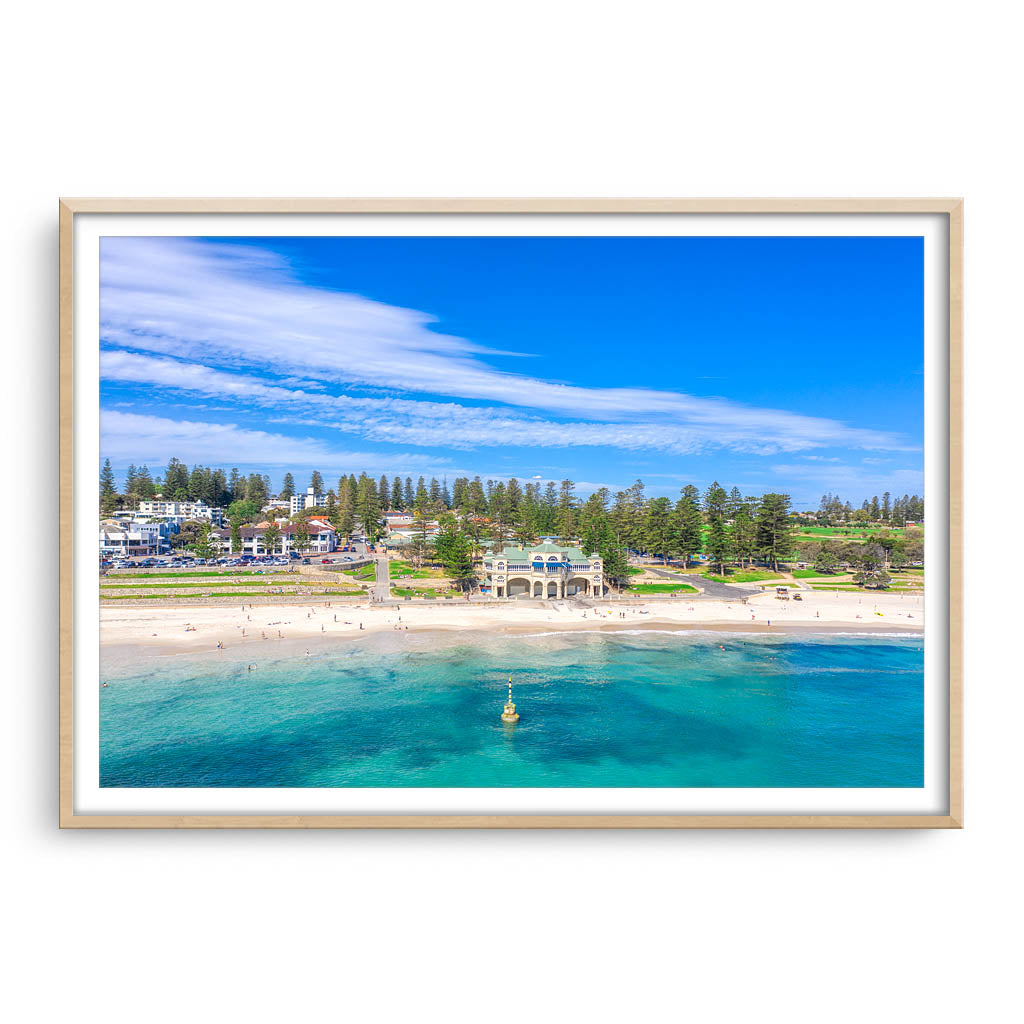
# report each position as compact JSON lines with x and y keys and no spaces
{"x":419,"y":592}
{"x":177,"y":586}
{"x":234,"y":593}
{"x":662,"y":588}
{"x":206,"y":584}
{"x":191,"y":575}
{"x":365,"y":573}
{"x":399,"y":568}
{"x":744,"y":576}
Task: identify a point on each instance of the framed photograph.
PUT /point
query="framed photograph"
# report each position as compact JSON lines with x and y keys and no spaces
{"x":510,"y":513}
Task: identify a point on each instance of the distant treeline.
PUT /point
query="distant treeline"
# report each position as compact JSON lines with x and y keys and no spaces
{"x":726,"y":525}
{"x":892,"y":512}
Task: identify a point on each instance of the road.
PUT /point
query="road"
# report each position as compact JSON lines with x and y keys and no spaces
{"x":381,"y":590}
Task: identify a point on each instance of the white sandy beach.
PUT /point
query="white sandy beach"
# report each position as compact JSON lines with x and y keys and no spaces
{"x":167,"y":627}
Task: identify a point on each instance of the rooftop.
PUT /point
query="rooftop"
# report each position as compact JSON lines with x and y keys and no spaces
{"x":519,"y":551}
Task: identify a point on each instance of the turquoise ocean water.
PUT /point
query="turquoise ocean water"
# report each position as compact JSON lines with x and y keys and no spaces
{"x":598,"y":709}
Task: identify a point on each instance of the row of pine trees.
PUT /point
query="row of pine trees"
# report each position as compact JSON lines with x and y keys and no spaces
{"x":475,"y":514}
{"x":833,"y":511}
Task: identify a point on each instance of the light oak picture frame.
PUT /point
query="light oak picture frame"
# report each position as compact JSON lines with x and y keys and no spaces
{"x":949,"y":208}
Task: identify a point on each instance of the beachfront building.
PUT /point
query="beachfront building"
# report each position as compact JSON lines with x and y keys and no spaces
{"x":543,"y":571}
{"x":123,"y":537}
{"x":323,"y":539}
{"x":310,"y":499}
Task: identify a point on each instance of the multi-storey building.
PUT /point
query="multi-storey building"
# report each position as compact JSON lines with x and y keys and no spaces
{"x":181,"y":509}
{"x":122,"y":537}
{"x":308,"y":500}
{"x":322,"y":539}
{"x":543,"y":571}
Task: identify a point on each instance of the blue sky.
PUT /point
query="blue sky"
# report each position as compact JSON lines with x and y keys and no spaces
{"x":791,"y":364}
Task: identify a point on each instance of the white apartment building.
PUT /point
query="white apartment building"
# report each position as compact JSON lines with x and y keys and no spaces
{"x":185,"y":509}
{"x":308,"y":500}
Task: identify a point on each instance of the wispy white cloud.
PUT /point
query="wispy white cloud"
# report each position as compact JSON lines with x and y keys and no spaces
{"x":429,"y":424}
{"x":241,"y":307}
{"x":152,"y":440}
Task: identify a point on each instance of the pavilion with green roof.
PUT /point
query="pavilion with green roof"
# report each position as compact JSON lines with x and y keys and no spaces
{"x":548,"y":571}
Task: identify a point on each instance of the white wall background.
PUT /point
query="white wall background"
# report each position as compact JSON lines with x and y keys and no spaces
{"x":530,"y":98}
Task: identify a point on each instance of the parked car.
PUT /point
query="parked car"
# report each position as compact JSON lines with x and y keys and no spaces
{"x":325,"y":561}
{"x":305,"y":561}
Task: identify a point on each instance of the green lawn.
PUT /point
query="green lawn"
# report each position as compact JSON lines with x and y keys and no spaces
{"x":186,"y":575}
{"x":171,"y":597}
{"x":634,"y":571}
{"x":207,"y":584}
{"x":848,"y":531}
{"x":400,"y":568}
{"x":364,"y":572}
{"x":411,"y":592}
{"x":745,"y":576}
{"x":662,"y":588}
{"x":234,"y":593}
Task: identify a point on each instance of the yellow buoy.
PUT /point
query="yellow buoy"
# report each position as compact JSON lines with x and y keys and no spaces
{"x":509,"y":714}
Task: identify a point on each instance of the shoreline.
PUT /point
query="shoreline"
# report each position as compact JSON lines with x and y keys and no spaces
{"x":116,"y":658}
{"x":159,"y":632}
